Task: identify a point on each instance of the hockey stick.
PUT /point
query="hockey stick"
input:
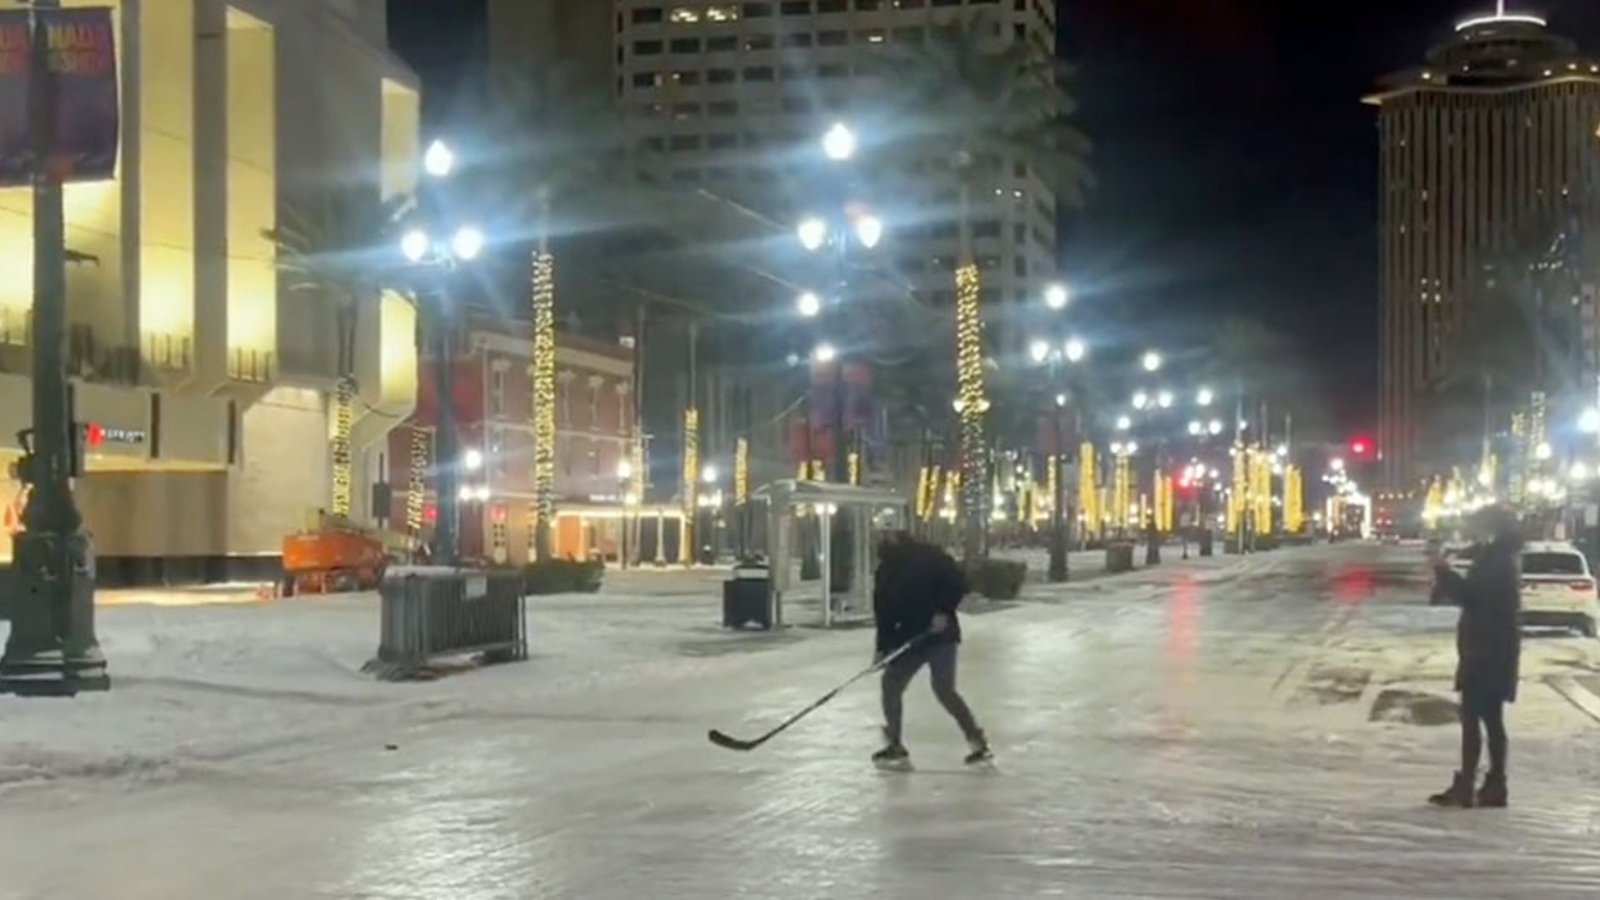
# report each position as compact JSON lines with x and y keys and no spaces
{"x":733,"y":743}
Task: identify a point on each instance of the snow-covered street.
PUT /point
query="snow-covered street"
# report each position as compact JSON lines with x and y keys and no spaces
{"x":1266,"y":727}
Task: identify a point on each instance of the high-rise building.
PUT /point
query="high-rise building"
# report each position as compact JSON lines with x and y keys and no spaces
{"x":1487,"y":137}
{"x":211,"y":385}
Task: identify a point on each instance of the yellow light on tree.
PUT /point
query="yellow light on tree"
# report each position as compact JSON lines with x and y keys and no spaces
{"x":544,"y":402}
{"x":417,"y":494}
{"x":1294,"y":516}
{"x":972,"y":403}
{"x":1088,"y":493}
{"x":339,"y":447}
{"x":1261,"y":491}
{"x":1122,"y":494}
{"x":1239,"y":489}
{"x":741,"y":471}
{"x":691,"y":479}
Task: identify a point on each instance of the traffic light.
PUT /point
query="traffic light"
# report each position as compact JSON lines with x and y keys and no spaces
{"x":1361,"y":447}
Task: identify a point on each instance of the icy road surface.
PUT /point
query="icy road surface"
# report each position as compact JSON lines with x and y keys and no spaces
{"x":1265,"y":728}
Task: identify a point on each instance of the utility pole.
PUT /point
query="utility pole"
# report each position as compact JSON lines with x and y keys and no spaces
{"x":446,"y":452}
{"x":52,"y":649}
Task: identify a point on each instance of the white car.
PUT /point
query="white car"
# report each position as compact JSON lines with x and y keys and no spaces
{"x":1558,"y":588}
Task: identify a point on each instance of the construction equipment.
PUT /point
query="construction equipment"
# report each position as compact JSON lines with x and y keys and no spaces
{"x":334,"y":555}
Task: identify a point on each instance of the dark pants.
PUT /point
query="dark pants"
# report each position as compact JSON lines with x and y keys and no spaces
{"x":940,"y":659}
{"x":1483,"y":712}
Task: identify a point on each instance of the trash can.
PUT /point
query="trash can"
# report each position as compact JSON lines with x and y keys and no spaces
{"x":1208,"y":543}
{"x":745,"y":596}
{"x":1119,"y":557}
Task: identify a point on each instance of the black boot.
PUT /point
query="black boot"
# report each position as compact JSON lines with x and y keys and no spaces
{"x":894,"y":756}
{"x":1493,"y":792}
{"x":980,"y":750}
{"x":1458,"y":795}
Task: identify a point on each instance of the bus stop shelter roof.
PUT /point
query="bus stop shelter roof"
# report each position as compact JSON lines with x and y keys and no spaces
{"x":791,"y":491}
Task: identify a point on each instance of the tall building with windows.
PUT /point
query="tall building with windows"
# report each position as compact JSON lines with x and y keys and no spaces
{"x":213,"y":385}
{"x":1489,"y":135}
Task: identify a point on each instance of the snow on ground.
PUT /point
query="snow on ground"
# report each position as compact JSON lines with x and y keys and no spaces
{"x":1198,"y":730}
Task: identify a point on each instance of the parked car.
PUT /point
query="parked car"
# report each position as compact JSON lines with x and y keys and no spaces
{"x":1558,"y":588}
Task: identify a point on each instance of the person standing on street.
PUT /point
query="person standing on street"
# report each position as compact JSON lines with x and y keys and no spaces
{"x":1489,"y":649}
{"x":916,"y":590}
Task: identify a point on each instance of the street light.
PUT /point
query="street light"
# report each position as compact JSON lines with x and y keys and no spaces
{"x":1076,"y":350}
{"x":414,"y":244}
{"x":808,"y":304}
{"x":1151,"y":361}
{"x":1164,"y":400}
{"x":1140,"y":400}
{"x":869,"y":230}
{"x":825,"y":353}
{"x":439,"y":160}
{"x":1124,"y":423}
{"x":1196,"y":429}
{"x":1039,"y":350}
{"x":709,"y":474}
{"x":1056,"y":296}
{"x":1204,"y":397}
{"x":472,"y":459}
{"x":1543,"y":452}
{"x":1589,"y":421}
{"x":839,"y":142}
{"x":1214,"y":427}
{"x":624,"y":470}
{"x":813,"y":232}
{"x":467,"y":243}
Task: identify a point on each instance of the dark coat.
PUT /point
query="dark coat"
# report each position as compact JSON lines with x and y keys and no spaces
{"x":1489,"y":632}
{"x":913,"y":583}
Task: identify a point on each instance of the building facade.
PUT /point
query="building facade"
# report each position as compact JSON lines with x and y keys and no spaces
{"x":1491,"y":134}
{"x":598,"y":487}
{"x":214,"y":381}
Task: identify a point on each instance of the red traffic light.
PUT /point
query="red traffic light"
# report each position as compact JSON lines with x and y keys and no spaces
{"x":93,"y":435}
{"x":1360,"y":446}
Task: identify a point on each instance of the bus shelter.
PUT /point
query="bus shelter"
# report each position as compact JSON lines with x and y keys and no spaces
{"x":794,"y":504}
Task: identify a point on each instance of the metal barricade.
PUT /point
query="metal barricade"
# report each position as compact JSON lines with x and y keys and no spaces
{"x":428,"y":614}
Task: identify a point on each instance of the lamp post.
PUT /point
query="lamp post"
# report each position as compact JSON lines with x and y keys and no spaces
{"x":1055,"y":355}
{"x":52,"y":649}
{"x":435,"y":251}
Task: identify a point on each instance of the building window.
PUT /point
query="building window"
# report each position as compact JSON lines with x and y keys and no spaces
{"x":795,"y":7}
{"x":869,"y":5}
{"x":914,"y":36}
{"x":796,"y":105}
{"x":646,"y":48}
{"x":722,"y":43}
{"x":872,"y":36}
{"x":685,"y":15}
{"x":832,"y":6}
{"x":725,"y":13}
{"x":833,"y":70}
{"x":988,"y":262}
{"x":646,"y":79}
{"x":986,"y":228}
{"x":756,"y":10}
{"x":758,"y":73}
{"x":721,"y":76}
{"x":758,"y":42}
{"x":723,"y":109}
{"x":683,"y":143}
{"x":1019,"y":266}
{"x":1019,"y":233}
{"x":798,"y":39}
{"x":497,"y":391}
{"x":647,"y":15}
{"x":722,"y":141}
{"x":833,"y":38}
{"x":686,"y":78}
{"x":685,"y":45}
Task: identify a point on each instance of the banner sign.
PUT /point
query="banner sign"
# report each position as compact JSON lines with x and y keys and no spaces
{"x":83,"y":58}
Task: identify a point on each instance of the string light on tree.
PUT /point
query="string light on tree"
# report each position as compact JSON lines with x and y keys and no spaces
{"x":544,"y":401}
{"x":971,"y":401}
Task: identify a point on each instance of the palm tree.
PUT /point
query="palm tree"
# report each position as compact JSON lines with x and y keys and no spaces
{"x":339,"y":247}
{"x":558,"y":140}
{"x":978,"y":102}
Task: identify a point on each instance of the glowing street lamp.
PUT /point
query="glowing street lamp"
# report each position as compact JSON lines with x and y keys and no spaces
{"x":1204,"y":397}
{"x":839,"y":142}
{"x":808,"y":304}
{"x":415,"y":244}
{"x":1076,"y":350}
{"x":472,"y":459}
{"x":439,"y":160}
{"x":1039,"y":350}
{"x":1214,"y":427}
{"x":813,"y":232}
{"x":467,"y":243}
{"x":1164,"y":400}
{"x":1589,"y":421}
{"x":869,"y":231}
{"x":1151,"y":361}
{"x":1056,"y":296}
{"x":1124,"y":423}
{"x":1196,"y":429}
{"x":1141,"y":400}
{"x":709,"y":474}
{"x":824,"y":353}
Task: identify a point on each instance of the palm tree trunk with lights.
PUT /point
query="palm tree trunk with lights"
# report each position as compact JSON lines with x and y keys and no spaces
{"x":971,"y":401}
{"x":544,"y":389}
{"x":343,"y":416}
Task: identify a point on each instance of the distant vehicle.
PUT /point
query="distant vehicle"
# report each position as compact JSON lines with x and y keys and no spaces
{"x":1397,"y":517}
{"x":1558,"y":588}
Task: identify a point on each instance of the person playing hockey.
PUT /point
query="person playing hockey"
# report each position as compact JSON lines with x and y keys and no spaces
{"x":1489,"y":646}
{"x":916,"y":590}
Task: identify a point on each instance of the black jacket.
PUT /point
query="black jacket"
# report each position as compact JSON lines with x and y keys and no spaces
{"x":1489,"y":632}
{"x":914,"y":582}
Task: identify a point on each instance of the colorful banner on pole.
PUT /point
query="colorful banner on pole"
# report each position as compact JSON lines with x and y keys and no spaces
{"x":83,"y":59}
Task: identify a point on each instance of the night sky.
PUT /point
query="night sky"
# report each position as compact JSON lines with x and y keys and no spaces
{"x":1236,"y":164}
